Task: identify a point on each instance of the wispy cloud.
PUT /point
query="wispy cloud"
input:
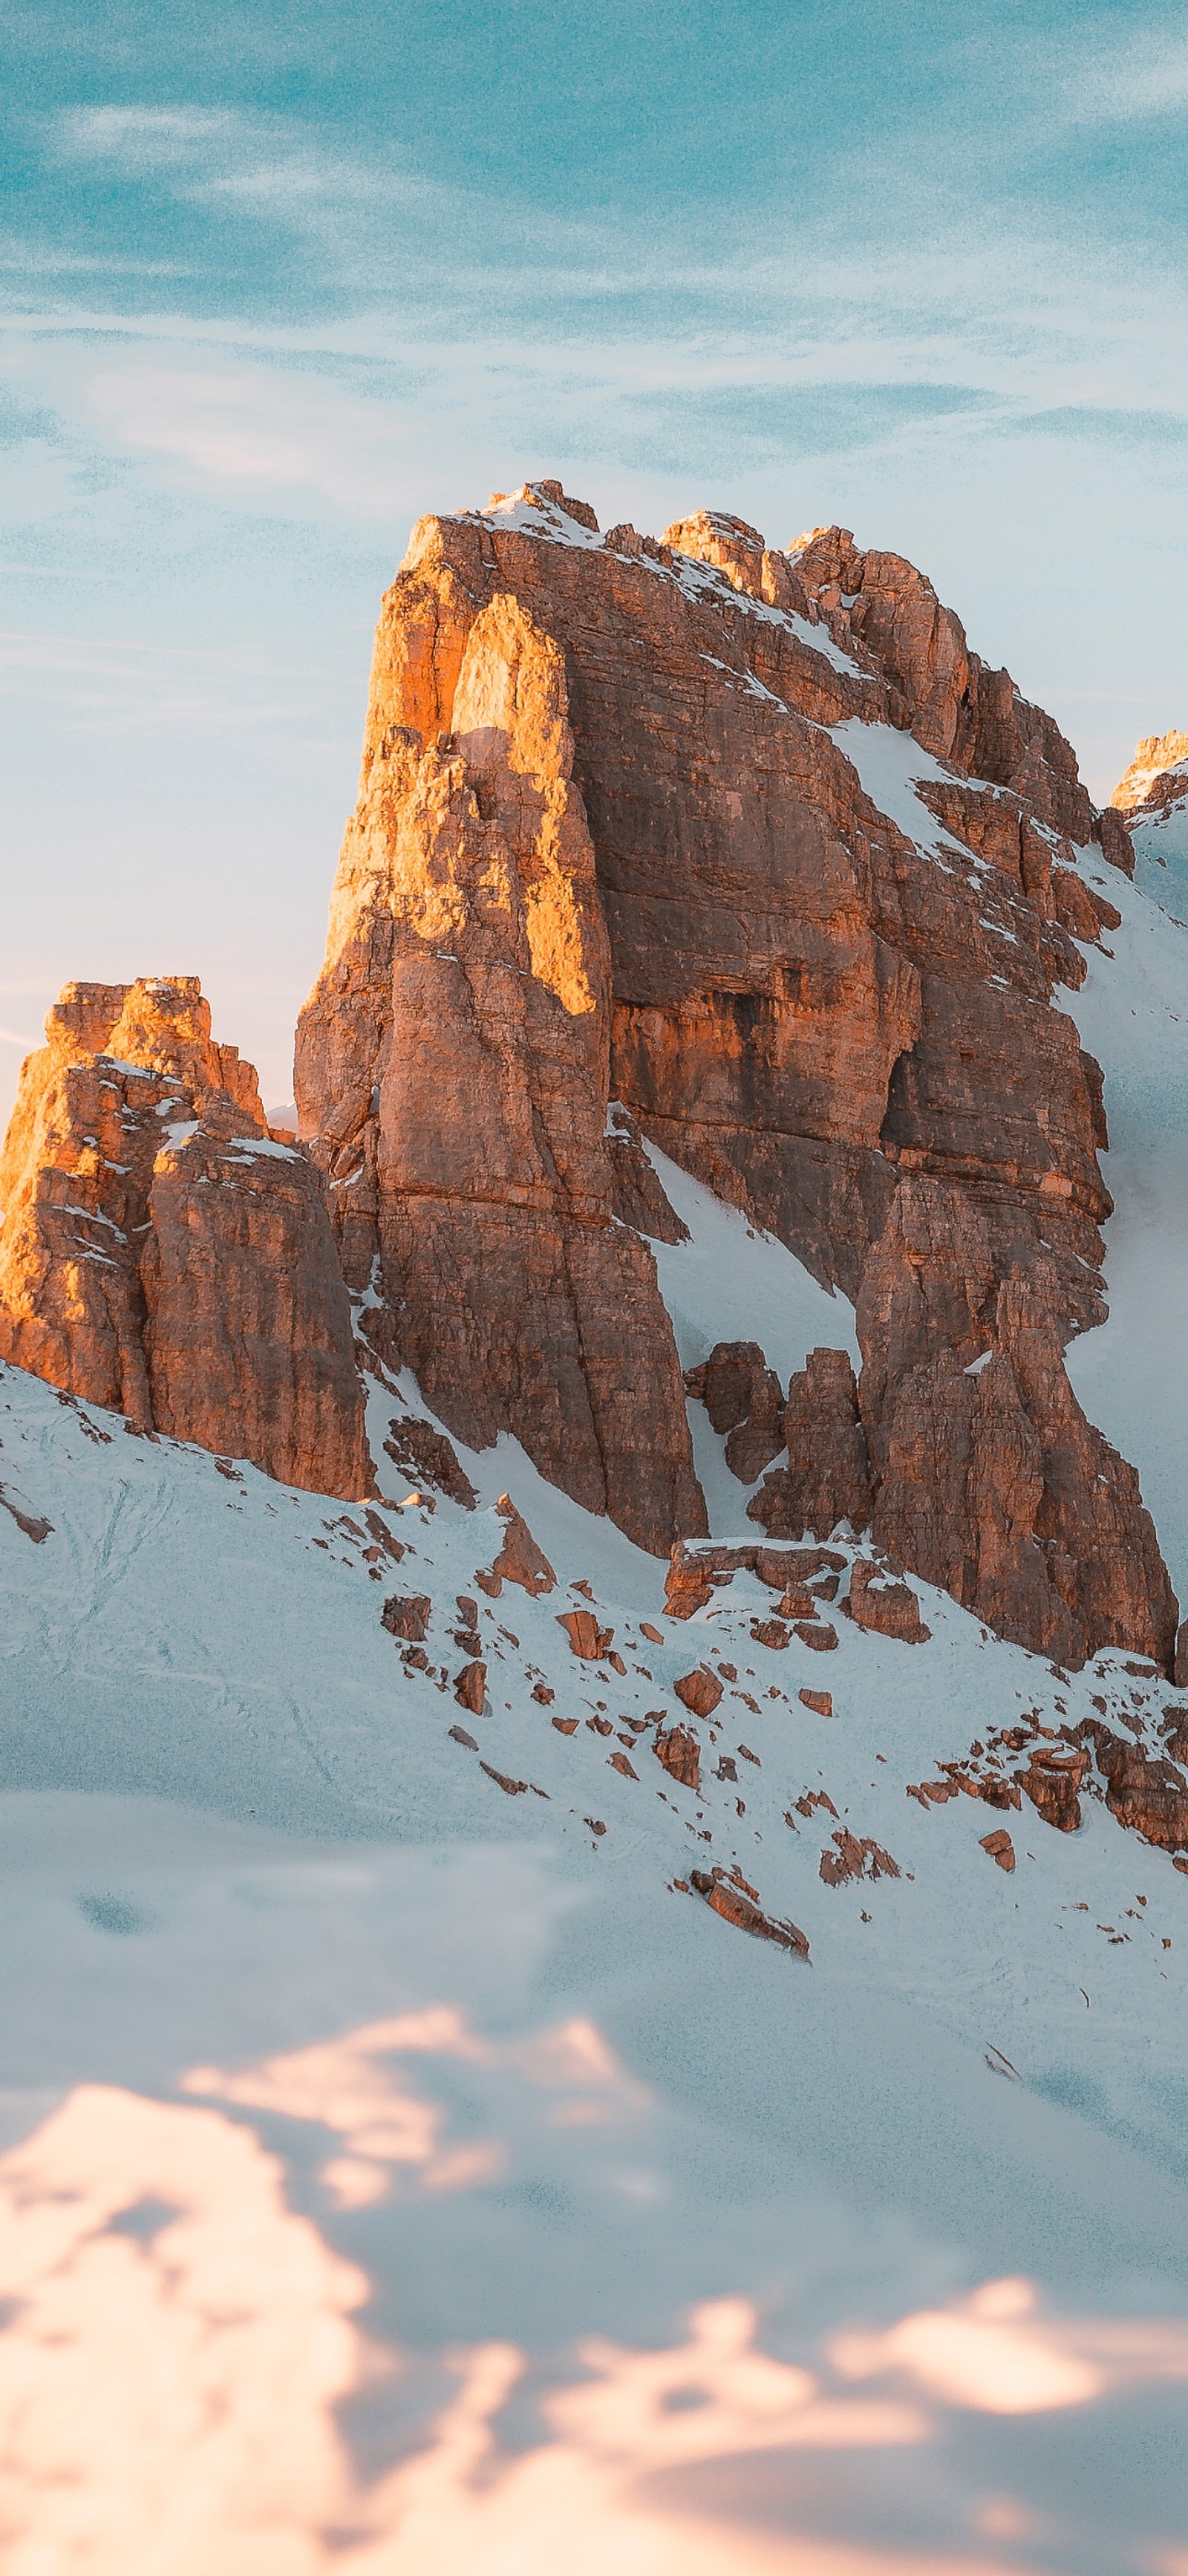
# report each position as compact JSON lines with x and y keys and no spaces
{"x":1121,"y":80}
{"x":248,"y":429}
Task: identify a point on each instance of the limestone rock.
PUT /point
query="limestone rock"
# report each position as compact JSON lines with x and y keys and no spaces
{"x":586,"y":1638}
{"x":1148,"y":1795}
{"x":699,"y":1691}
{"x":408,"y":1616}
{"x":34,"y":1524}
{"x":1051,"y":1781}
{"x":819,"y":1634}
{"x":453,"y":1067}
{"x":162,"y":1254}
{"x":638,"y":1196}
{"x":827,"y":1479}
{"x":740,"y":1905}
{"x":1157,"y":776}
{"x":502,"y":1779}
{"x":426,"y":1457}
{"x":520,"y":1560}
{"x":742,"y":1397}
{"x":607,"y":846}
{"x":856,"y":1857}
{"x":990,"y":1481}
{"x":679,"y":1750}
{"x":696,"y":1571}
{"x":875,"y":1600}
{"x":1153,"y":791}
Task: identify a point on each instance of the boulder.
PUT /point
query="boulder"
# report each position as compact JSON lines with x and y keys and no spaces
{"x":407,"y":1616}
{"x":679,"y":1750}
{"x":855,"y":1857}
{"x":470,"y":1686}
{"x":1051,"y":1781}
{"x":696,"y":1571}
{"x":876,"y":1600}
{"x":587,"y":1640}
{"x":699,"y":1691}
{"x":740,"y":1906}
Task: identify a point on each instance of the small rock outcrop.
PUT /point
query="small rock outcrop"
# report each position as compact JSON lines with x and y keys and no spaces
{"x":877,"y":1600}
{"x":737,"y":1902}
{"x":520,"y":1560}
{"x":742,"y":1397}
{"x":162,"y":1254}
{"x":827,"y":1475}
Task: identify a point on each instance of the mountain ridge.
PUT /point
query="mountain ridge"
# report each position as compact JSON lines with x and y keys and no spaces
{"x":693,"y":827}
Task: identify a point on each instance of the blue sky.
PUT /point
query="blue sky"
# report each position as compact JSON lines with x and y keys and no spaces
{"x":274,"y":279}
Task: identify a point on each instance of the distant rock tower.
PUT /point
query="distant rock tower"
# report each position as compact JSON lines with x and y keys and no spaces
{"x":162,"y":1254}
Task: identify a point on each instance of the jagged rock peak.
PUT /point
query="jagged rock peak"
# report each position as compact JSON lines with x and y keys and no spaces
{"x":1157,"y":776}
{"x":623,"y":834}
{"x":161,"y":1253}
{"x":883,"y":613}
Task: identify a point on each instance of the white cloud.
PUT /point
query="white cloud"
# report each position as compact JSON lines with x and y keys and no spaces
{"x":1122,"y":82}
{"x":246,"y":428}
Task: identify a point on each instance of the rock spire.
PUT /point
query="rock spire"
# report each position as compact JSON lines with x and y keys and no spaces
{"x":162,"y":1254}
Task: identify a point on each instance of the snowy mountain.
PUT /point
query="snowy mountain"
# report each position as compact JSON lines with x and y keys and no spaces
{"x":520,"y":2046}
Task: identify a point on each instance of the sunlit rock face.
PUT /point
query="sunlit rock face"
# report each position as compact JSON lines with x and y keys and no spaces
{"x":453,"y":1077}
{"x":161,"y":1253}
{"x":1157,"y":777}
{"x":640,"y":821}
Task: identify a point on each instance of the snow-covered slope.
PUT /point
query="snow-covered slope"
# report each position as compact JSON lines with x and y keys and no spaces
{"x":1161,"y":856}
{"x":1131,"y":1374}
{"x":410,"y":2024}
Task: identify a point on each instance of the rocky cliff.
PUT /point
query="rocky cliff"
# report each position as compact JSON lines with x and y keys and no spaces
{"x":162,"y":1254}
{"x":1156,"y":779}
{"x":751,"y":842}
{"x":736,"y":850}
{"x":453,"y":1077}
